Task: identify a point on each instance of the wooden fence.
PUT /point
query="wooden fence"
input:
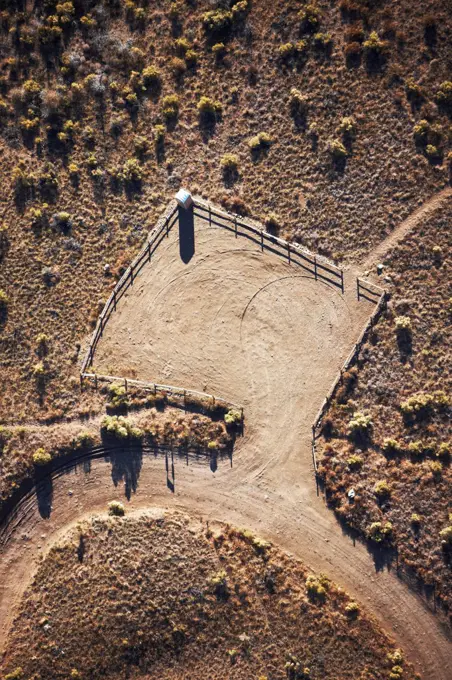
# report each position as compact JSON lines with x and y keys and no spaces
{"x":316,"y":265}
{"x":350,"y":360}
{"x":185,"y":395}
{"x":162,"y":229}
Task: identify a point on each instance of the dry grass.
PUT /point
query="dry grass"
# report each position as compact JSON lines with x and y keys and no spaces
{"x":411,"y":453}
{"x":53,"y":264}
{"x":163,"y":597}
{"x":149,"y":419}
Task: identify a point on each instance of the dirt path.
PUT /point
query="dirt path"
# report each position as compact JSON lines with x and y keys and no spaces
{"x":246,"y":325}
{"x":378,"y":254}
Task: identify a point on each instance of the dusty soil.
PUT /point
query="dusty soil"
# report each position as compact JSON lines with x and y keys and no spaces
{"x":270,"y":487}
{"x":170,"y":597}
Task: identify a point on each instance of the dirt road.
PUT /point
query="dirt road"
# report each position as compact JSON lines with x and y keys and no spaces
{"x":246,"y":325}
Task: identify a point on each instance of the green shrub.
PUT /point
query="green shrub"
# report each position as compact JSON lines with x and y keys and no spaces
{"x":229,"y":163}
{"x":310,"y":17}
{"x":403,"y":325}
{"x":177,"y":66}
{"x":390,"y":446}
{"x":233,"y":417}
{"x":219,"y":51}
{"x":286,"y":51}
{"x":361,"y":424}
{"x":323,"y":41}
{"x":208,"y":108}
{"x":219,"y":584}
{"x":444,"y":94}
{"x":436,"y":469}
{"x":118,"y":395}
{"x":355,"y":462}
{"x":41,"y":457}
{"x":298,"y":103}
{"x":421,"y":131}
{"x":337,"y":150}
{"x":380,"y":532}
{"x":217,"y":22}
{"x":446,"y":534}
{"x":131,"y":171}
{"x":260,"y":141}
{"x":317,"y":587}
{"x":374,"y":46}
{"x":120,"y":428}
{"x":382,"y":490}
{"x":347,"y":128}
{"x":416,"y":520}
{"x":170,"y":107}
{"x":16,"y":674}
{"x":116,"y":509}
{"x":3,"y":300}
{"x":352,"y":610}
{"x":151,"y":77}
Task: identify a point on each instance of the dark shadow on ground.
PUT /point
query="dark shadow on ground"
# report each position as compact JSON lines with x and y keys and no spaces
{"x":186,"y":234}
{"x":44,"y":496}
{"x":126,"y":464}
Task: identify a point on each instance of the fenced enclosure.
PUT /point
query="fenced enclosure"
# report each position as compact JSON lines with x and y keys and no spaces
{"x":316,"y":265}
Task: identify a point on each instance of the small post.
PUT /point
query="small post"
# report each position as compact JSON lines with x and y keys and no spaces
{"x":262,"y":239}
{"x":210,"y":215}
{"x":101,"y":326}
{"x":95,"y":381}
{"x":315,"y":267}
{"x":114,"y":299}
{"x":149,"y":251}
{"x":342,"y":280}
{"x":167,"y":227}
{"x":90,"y":362}
{"x":357,"y":287}
{"x":185,"y":398}
{"x":235,"y":225}
{"x":125,"y":384}
{"x":288,"y":252}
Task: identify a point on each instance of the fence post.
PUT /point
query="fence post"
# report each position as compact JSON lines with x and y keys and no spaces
{"x":90,"y":361}
{"x":149,"y":251}
{"x":131,"y":273}
{"x":342,"y":280}
{"x":315,"y":267}
{"x":95,"y":381}
{"x":101,"y":324}
{"x":357,"y":287}
{"x":288,"y":252}
{"x":125,"y":384}
{"x":210,"y":215}
{"x":235,"y":225}
{"x":114,"y":299}
{"x":262,"y":239}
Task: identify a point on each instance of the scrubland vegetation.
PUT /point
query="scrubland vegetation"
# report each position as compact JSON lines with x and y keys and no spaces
{"x":134,"y":418}
{"x":170,"y":598}
{"x":107,"y":107}
{"x":388,"y":436}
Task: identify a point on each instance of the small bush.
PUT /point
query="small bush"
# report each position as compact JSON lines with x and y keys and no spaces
{"x":374,"y":47}
{"x":360,"y":425}
{"x":233,"y":417}
{"x":380,"y":532}
{"x":217,"y":22}
{"x":116,"y":509}
{"x":230,"y":162}
{"x":355,"y":462}
{"x":120,"y":428}
{"x":3,"y":300}
{"x":317,"y":588}
{"x":151,"y":77}
{"x":337,"y":150}
{"x":352,"y":610}
{"x":444,"y":95}
{"x":403,"y":325}
{"x":178,"y":67}
{"x":347,"y":128}
{"x":118,"y":395}
{"x":219,"y":584}
{"x":298,"y":104}
{"x":446,"y":536}
{"x":131,"y":171}
{"x":209,"y":109}
{"x":382,"y":490}
{"x":391,"y":446}
{"x":286,"y":51}
{"x":41,"y":457}
{"x":219,"y":51}
{"x":310,"y":17}
{"x":170,"y":107}
{"x":260,"y":142}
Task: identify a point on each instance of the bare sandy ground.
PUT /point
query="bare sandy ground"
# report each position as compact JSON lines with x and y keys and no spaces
{"x":247,"y":326}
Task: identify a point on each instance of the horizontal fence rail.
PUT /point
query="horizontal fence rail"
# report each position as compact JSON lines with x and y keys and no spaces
{"x":350,"y":360}
{"x":156,"y":388}
{"x":318,"y":266}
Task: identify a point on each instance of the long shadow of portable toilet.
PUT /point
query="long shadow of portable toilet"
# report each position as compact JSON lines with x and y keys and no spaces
{"x":186,"y":225}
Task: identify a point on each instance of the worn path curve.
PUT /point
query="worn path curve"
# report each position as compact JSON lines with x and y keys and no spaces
{"x":251,"y":327}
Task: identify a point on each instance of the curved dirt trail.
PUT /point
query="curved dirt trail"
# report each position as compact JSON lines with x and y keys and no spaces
{"x":243,"y":324}
{"x":378,"y":253}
